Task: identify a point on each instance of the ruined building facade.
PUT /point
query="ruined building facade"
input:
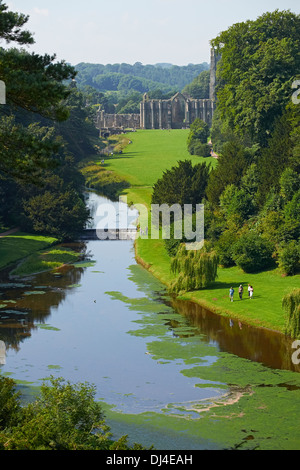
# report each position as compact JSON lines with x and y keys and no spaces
{"x":117,"y":121}
{"x":177,"y":112}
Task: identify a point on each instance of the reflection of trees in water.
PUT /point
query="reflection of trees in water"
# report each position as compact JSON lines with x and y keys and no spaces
{"x":257,"y":344}
{"x":23,"y":312}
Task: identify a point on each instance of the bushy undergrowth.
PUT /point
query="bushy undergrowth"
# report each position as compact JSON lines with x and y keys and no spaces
{"x":103,"y":181}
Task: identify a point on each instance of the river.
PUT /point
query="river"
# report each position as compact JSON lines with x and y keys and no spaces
{"x":168,"y":372}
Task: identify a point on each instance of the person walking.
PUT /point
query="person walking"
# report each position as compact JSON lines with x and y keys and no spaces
{"x":231,"y":292}
{"x":241,"y":290}
{"x":251,"y":292}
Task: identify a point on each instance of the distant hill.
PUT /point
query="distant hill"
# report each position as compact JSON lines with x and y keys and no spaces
{"x":138,"y":77}
{"x":164,"y":65}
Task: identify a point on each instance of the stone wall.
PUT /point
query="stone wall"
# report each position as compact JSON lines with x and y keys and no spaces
{"x":117,"y":121}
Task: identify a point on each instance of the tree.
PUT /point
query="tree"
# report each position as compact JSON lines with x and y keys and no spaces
{"x":25,"y":152}
{"x":45,"y":129}
{"x":231,"y":166}
{"x":199,"y":87}
{"x":64,"y":417}
{"x":62,"y":215}
{"x":199,"y":132}
{"x":253,"y":253}
{"x":274,"y":158}
{"x":34,"y":84}
{"x":289,"y":258}
{"x":291,"y":305}
{"x":195,"y":268}
{"x":182,"y":184}
{"x":235,"y":201}
{"x":289,"y":183}
{"x":11,"y":26}
{"x":259,"y":61}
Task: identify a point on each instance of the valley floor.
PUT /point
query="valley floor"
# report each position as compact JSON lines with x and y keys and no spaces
{"x":141,"y":163}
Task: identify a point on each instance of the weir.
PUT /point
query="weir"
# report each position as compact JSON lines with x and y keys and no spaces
{"x":109,"y":234}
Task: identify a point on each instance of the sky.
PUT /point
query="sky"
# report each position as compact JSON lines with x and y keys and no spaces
{"x":129,"y":31}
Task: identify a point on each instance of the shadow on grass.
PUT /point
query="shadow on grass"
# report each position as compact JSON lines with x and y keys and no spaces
{"x":122,"y":156}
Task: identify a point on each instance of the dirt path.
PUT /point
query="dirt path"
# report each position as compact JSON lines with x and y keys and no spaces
{"x":9,"y":232}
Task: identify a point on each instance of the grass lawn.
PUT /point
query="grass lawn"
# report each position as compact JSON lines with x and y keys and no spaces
{"x":20,"y":245}
{"x":141,"y":164}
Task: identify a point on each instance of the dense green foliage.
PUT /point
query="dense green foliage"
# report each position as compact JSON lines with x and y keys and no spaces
{"x":199,"y":87}
{"x":120,"y":87}
{"x":291,"y":304}
{"x":182,"y":184}
{"x":259,"y":62}
{"x":195,"y":268}
{"x":63,"y":417}
{"x":252,"y":196}
{"x":137,"y":77}
{"x":103,"y":181}
{"x":253,"y":193}
{"x":45,"y":130}
{"x":197,"y":139}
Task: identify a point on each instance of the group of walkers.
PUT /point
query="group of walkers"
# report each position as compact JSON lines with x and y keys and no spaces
{"x":241,"y":291}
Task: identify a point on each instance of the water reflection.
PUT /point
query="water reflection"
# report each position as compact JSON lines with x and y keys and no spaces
{"x":28,"y":301}
{"x":2,"y":353}
{"x":114,"y":214}
{"x":261,"y":345}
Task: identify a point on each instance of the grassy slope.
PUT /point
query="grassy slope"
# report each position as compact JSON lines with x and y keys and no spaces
{"x":20,"y":245}
{"x":142,"y":163}
{"x":150,"y":154}
{"x":34,"y":252}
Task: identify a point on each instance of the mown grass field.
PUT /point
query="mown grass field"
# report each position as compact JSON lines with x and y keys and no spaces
{"x":143,"y":161}
{"x":141,"y":164}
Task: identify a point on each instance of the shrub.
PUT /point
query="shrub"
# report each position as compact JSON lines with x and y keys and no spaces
{"x":225,"y":247}
{"x":9,"y":403}
{"x":200,"y":149}
{"x":252,"y":253}
{"x":63,"y":417}
{"x":289,"y":258}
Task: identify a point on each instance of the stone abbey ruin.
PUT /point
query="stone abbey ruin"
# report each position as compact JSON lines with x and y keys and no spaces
{"x":175,"y":113}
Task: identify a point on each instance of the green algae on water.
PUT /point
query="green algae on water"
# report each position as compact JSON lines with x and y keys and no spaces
{"x":84,"y":264}
{"x":47,"y":327}
{"x":35,"y":292}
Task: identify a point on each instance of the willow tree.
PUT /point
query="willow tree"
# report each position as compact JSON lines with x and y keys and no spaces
{"x":291,"y":304}
{"x":195,"y":269}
